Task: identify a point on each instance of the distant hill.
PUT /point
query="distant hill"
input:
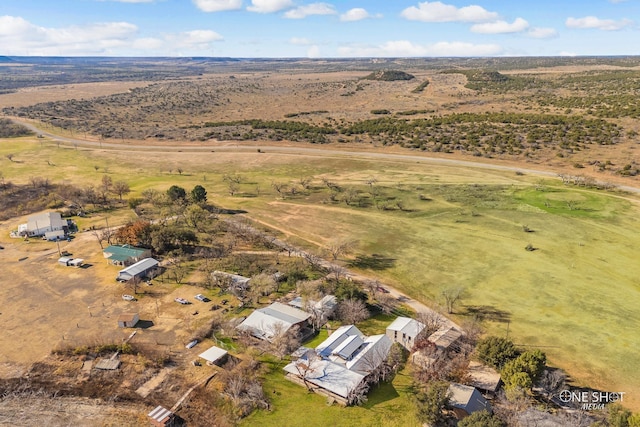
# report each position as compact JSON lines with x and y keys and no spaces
{"x":389,"y":76}
{"x":6,"y":59}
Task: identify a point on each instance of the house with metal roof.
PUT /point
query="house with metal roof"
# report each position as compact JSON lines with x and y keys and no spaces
{"x":340,"y":363}
{"x":266,"y":322}
{"x":125,"y":254}
{"x":404,"y":331}
{"x":162,"y":417}
{"x":139,"y":270}
{"x":445,"y":338}
{"x":41,"y":224}
{"x":466,"y":400}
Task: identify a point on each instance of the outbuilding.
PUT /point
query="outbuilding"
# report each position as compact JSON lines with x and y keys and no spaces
{"x":139,"y":270}
{"x":128,"y":320}
{"x":214,"y":355}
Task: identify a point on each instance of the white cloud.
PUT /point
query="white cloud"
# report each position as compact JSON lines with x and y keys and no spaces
{"x":217,"y":5}
{"x":313,"y":52}
{"x":404,"y":48}
{"x":301,"y":41}
{"x":542,"y":33}
{"x":269,"y":6}
{"x":311,"y":9}
{"x":439,"y":12}
{"x":357,"y":14}
{"x":501,"y":27}
{"x":20,"y":37}
{"x":590,"y":22}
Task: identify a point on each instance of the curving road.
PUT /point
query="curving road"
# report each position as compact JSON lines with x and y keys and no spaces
{"x":309,"y":151}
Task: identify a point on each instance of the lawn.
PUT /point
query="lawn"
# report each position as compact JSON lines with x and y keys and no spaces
{"x":575,"y":296}
{"x":388,"y":404}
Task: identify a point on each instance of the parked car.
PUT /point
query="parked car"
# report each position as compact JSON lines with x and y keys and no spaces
{"x":202,"y":298}
{"x":192,"y":344}
{"x":181,"y":301}
{"x":128,"y":297}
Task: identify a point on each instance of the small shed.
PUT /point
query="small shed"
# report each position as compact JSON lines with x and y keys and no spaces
{"x":214,"y":355}
{"x":76,"y":262}
{"x":64,"y":261}
{"x":162,"y":417}
{"x":128,"y":320}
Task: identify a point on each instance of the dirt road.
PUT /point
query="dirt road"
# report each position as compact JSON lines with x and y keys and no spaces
{"x":307,"y":151}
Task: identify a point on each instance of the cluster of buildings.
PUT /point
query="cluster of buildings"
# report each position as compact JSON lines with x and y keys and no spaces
{"x":339,"y":366}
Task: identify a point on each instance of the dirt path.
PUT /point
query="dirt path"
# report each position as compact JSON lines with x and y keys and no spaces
{"x":309,"y":151}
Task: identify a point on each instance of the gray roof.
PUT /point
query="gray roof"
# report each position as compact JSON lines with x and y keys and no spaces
{"x":467,"y":398}
{"x":329,"y":376}
{"x":138,"y":268}
{"x":407,"y":326}
{"x":326,"y":347}
{"x":443,"y":338}
{"x":265,"y":322}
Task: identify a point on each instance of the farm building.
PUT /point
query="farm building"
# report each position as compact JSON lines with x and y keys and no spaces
{"x":319,"y":309}
{"x":445,"y":339}
{"x":340,"y":363}
{"x":404,"y":331}
{"x":231,"y":281}
{"x":39,"y":225}
{"x":265,"y":323}
{"x":128,"y":320}
{"x":483,"y":377}
{"x":466,"y":400}
{"x":139,"y":270}
{"x":125,"y":254}
{"x":214,"y":355}
{"x":162,"y":417}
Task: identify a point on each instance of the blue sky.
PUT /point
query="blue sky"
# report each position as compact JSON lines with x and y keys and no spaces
{"x":317,"y":29}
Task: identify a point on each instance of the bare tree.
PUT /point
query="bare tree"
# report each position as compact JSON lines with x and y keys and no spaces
{"x":451,"y":297}
{"x":280,"y":188}
{"x":352,"y":311}
{"x":121,"y":188}
{"x":10,"y":157}
{"x":134,"y":284}
{"x":261,"y":285}
{"x":340,"y":247}
{"x":307,"y":368}
{"x":233,"y":182}
{"x":305,"y":182}
{"x":358,"y":395}
{"x":284,"y":341}
{"x":314,"y":261}
{"x":337,"y":272}
{"x":387,"y":302}
{"x":350,"y":195}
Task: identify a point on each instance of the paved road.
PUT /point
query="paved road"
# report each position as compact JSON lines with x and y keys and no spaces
{"x":309,"y":151}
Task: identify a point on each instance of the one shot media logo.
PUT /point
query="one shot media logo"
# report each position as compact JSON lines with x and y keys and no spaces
{"x":590,"y":400}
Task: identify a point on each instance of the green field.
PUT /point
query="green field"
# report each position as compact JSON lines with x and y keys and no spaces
{"x":576,"y":296}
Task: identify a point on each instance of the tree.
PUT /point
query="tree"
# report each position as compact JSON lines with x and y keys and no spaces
{"x":233,"y":182}
{"x":176,"y":193}
{"x":137,"y":233}
{"x":284,"y":341}
{"x":106,"y":185}
{"x":340,"y":247}
{"x":352,"y":311}
{"x":199,"y":194}
{"x":618,"y":415}
{"x":431,"y":402}
{"x":261,"y":285}
{"x":524,"y":371}
{"x":481,"y":419}
{"x":451,"y":297}
{"x":496,"y":351}
{"x":195,"y":215}
{"x":121,"y":188}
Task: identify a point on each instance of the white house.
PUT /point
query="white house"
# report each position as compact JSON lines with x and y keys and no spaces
{"x":265,"y":323}
{"x":404,"y":331}
{"x":340,"y":363}
{"x":39,"y":225}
